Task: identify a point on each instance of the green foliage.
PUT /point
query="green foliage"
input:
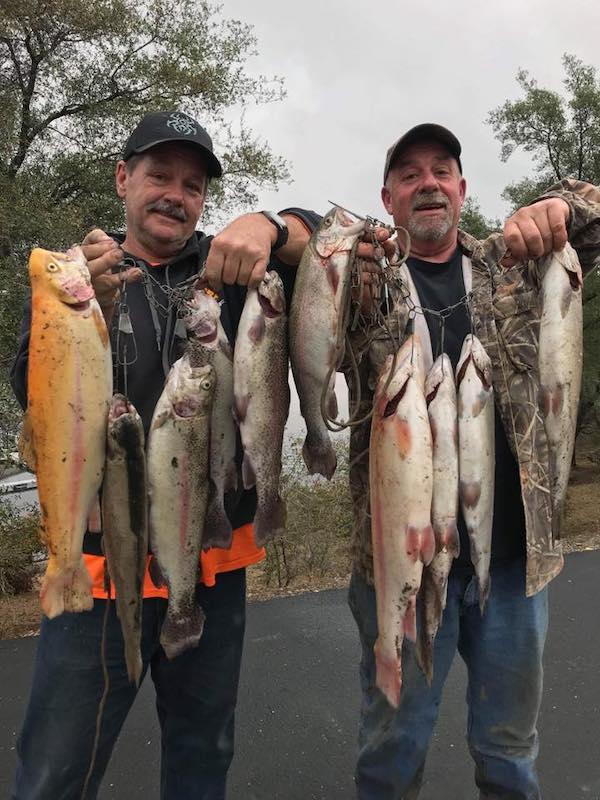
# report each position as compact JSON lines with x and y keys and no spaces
{"x":74,"y":79}
{"x":560,"y":132}
{"x":319,"y":523}
{"x":10,"y":420}
{"x":473,"y":221}
{"x":19,"y":541}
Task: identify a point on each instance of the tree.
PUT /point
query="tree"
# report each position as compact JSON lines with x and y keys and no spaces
{"x":472,"y":220}
{"x":562,"y":134}
{"x":74,"y":79}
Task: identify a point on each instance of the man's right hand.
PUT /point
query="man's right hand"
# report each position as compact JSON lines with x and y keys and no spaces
{"x":103,"y":254}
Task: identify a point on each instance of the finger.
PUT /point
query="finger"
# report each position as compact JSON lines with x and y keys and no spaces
{"x":247,"y":265}
{"x":231,"y":268}
{"x":98,"y":249}
{"x":213,"y":270}
{"x":514,"y":240}
{"x":95,"y":236}
{"x":258,"y":273}
{"x":105,"y":263}
{"x":558,"y":227}
{"x":532,"y":236}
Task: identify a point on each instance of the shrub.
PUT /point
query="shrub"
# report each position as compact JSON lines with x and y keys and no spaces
{"x":19,"y":543}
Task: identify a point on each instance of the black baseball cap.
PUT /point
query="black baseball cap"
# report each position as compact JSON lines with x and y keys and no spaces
{"x":428,"y":130}
{"x":172,"y":126}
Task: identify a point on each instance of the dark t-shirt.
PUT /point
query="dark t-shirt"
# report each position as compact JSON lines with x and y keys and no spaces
{"x":440,"y":286}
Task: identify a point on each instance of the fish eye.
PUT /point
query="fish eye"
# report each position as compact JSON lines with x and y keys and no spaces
{"x":206,"y":384}
{"x":52,"y":267}
{"x":329,"y":220}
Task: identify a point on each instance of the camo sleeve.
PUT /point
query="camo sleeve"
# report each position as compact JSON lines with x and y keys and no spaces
{"x":584,"y":224}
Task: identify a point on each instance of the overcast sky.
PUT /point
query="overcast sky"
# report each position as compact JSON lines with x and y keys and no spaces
{"x":359,"y":74}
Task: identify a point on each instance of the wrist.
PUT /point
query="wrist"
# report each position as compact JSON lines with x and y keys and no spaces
{"x":280,"y":232}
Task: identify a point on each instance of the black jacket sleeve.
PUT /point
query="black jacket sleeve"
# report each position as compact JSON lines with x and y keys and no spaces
{"x":288,"y":273}
{"x":18,"y":372}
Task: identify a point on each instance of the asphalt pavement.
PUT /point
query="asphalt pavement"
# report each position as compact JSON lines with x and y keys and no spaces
{"x":299,"y":698}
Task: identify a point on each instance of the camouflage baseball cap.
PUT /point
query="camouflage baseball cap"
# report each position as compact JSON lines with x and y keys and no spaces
{"x":428,"y":130}
{"x":172,"y":126}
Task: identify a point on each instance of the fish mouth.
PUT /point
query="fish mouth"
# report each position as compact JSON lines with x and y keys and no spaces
{"x":79,"y":306}
{"x":271,"y":307}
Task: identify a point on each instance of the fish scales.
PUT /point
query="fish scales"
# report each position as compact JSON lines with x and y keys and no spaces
{"x":125,"y":523}
{"x":262,"y":399}
{"x":440,"y":391}
{"x":476,"y":437}
{"x":560,"y":361}
{"x":64,"y":431}
{"x":178,"y":481}
{"x":208,"y":344}
{"x":401,"y":485}
{"x":317,"y":329}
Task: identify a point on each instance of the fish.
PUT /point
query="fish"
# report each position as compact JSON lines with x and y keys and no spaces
{"x":125,"y":523}
{"x":262,"y":400}
{"x":440,"y":393}
{"x":401,"y":487}
{"x":177,"y":457}
{"x":208,"y":344}
{"x":560,"y":360}
{"x":477,"y":453}
{"x":64,"y":431}
{"x":318,"y":321}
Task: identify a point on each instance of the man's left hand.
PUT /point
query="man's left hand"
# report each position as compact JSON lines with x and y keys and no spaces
{"x":536,"y":230}
{"x":240,"y":252}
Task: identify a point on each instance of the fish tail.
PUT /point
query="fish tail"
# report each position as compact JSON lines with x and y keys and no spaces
{"x":217,"y":527}
{"x":270,"y":518}
{"x":450,"y":540}
{"x":388,"y":676}
{"x":133,"y":660}
{"x":484,"y":590}
{"x":424,"y":655}
{"x":319,"y":456}
{"x":66,"y":590}
{"x":179,"y":633}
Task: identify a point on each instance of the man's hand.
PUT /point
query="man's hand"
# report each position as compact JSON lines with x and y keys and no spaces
{"x":536,"y":230}
{"x":103,"y":254}
{"x":240,"y":252}
{"x":368,"y":258}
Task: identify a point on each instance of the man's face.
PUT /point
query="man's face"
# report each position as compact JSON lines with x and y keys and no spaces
{"x":424,"y":193}
{"x":164,"y":192}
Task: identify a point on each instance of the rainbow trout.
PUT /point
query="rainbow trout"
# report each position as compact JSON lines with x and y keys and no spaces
{"x":477,"y":448}
{"x":318,"y":328}
{"x":401,"y":484}
{"x":560,"y":361}
{"x":64,"y":432}
{"x":208,"y":344}
{"x":440,"y":392}
{"x":178,"y":477}
{"x":125,"y":523}
{"x":262,"y":399}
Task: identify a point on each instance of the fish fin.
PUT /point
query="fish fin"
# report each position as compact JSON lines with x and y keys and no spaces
{"x":26,"y":444}
{"x":240,"y":408}
{"x":388,"y":676}
{"x":319,"y":457}
{"x":269,"y":521}
{"x":94,"y":522}
{"x":420,"y":543}
{"x":248,"y":474}
{"x":484,"y":591}
{"x":424,"y":649}
{"x":217,"y":527}
{"x":450,"y":540}
{"x":470,"y":492}
{"x":155,"y":572}
{"x":66,"y":590}
{"x":427,"y":547}
{"x":180,"y":633}
{"x":410,"y":620}
{"x":160,"y":419}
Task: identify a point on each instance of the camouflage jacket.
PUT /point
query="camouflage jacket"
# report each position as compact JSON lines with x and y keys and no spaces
{"x":506,"y":318}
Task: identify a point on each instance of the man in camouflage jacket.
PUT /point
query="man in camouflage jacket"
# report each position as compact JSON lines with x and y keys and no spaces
{"x":505,"y":308}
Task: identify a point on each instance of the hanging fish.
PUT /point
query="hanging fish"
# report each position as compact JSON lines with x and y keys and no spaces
{"x":125,"y":523}
{"x":318,"y":329}
{"x":208,"y":344}
{"x":440,"y":392}
{"x":477,"y":448}
{"x":401,"y":485}
{"x":262,"y":399}
{"x":178,"y":478}
{"x":560,"y":361}
{"x":64,"y":431}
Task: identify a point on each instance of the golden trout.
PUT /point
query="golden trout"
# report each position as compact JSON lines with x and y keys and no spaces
{"x":64,"y":433}
{"x":560,"y":361}
{"x":440,"y":392}
{"x":178,"y":476}
{"x":318,"y":329}
{"x":477,"y":455}
{"x":125,"y":523}
{"x":401,"y":484}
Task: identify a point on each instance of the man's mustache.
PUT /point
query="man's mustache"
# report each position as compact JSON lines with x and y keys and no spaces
{"x":426,"y":199}
{"x":169,"y":209}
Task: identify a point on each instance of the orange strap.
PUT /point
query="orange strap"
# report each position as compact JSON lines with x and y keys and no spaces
{"x":242,"y":553}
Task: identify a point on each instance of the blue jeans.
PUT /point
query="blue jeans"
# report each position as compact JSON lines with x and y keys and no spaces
{"x":196,"y":695}
{"x":503,"y":654}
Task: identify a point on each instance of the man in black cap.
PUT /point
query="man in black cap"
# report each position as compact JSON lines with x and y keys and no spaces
{"x":424,"y":190}
{"x":163,"y":179}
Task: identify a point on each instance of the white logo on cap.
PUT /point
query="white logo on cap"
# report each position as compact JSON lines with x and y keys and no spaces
{"x":182,"y":124}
